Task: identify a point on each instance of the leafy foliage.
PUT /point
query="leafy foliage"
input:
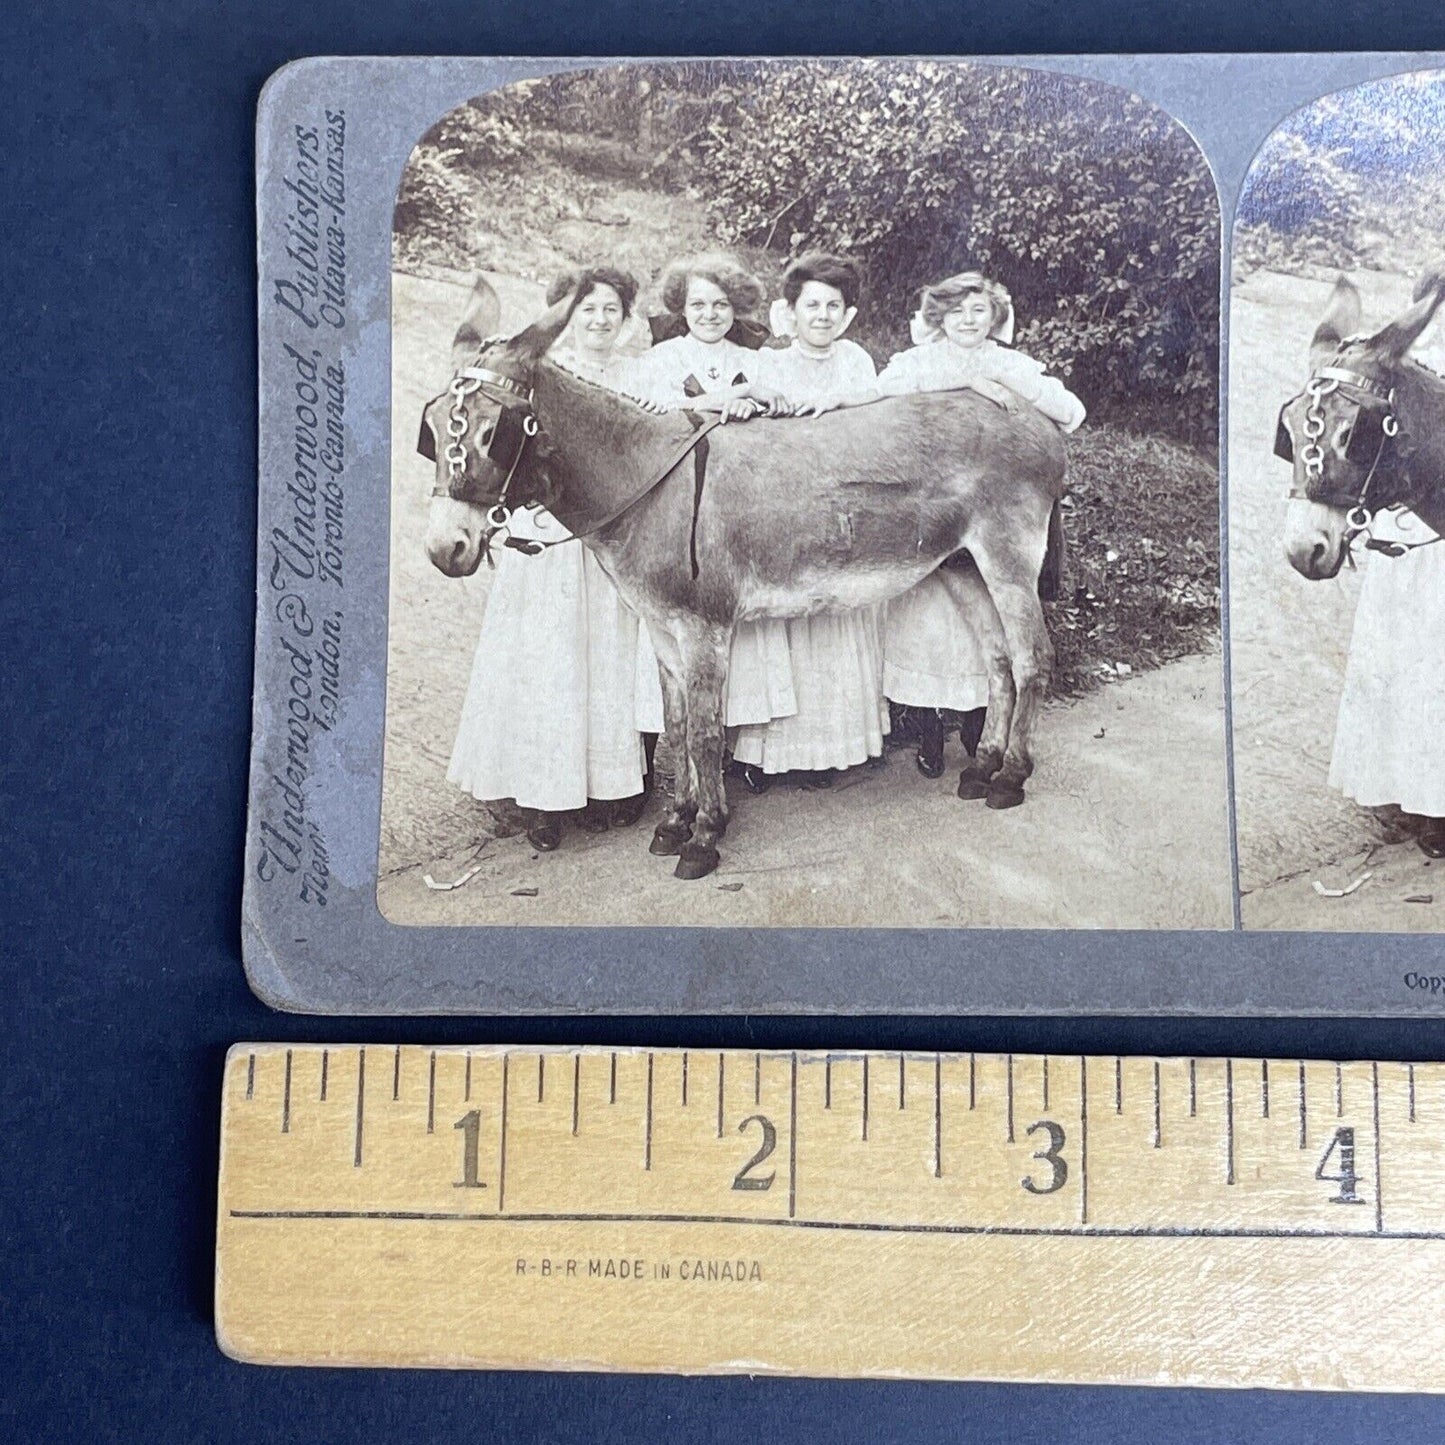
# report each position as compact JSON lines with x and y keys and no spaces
{"x":1352,"y":180}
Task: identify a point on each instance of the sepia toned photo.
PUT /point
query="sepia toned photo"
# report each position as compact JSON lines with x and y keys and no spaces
{"x":805,"y":505}
{"x":1337,"y":509}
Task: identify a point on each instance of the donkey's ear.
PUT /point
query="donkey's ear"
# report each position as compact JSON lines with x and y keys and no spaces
{"x":482,"y":314}
{"x":1394,"y":340}
{"x":1400,"y":334}
{"x":536,"y":338}
{"x":1341,"y":319}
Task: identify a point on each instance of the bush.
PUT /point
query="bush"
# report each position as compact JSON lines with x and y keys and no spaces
{"x":1141,"y":521}
{"x":1352,"y":180}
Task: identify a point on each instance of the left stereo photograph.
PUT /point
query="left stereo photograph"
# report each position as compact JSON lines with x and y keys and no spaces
{"x":761,"y":515}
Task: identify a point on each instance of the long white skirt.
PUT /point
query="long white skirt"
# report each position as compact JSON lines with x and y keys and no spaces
{"x":760,"y":673}
{"x":838,"y":681}
{"x":760,"y":677}
{"x":932,"y":653}
{"x":550,"y":714}
{"x":1390,"y":734}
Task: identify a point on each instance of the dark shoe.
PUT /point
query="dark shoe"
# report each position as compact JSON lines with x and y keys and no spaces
{"x":970,"y":728}
{"x":544,"y":833}
{"x":626,"y":811}
{"x":593,"y":818}
{"x":816,"y":778}
{"x":755,"y":780}
{"x":902,"y":725}
{"x":930,"y":743}
{"x":1431,"y":838}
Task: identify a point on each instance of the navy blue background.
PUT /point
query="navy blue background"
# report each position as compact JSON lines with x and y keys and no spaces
{"x":127,"y":434}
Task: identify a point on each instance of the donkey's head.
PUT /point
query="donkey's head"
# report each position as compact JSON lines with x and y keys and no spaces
{"x":479,"y":432}
{"x":1338,"y":433}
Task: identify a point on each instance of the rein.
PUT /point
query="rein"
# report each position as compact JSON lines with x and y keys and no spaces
{"x":1368,"y":395}
{"x":514,"y":428}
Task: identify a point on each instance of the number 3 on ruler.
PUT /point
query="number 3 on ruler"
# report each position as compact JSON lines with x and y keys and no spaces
{"x":1050,"y":1156}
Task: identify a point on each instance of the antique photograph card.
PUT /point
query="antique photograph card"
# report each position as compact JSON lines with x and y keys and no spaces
{"x":1338,"y":595}
{"x":746,"y":535}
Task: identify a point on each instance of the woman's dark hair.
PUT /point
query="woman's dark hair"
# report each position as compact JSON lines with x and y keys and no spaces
{"x":828,"y":270}
{"x":581,"y":284}
{"x":743,"y":290}
{"x":938,"y":300}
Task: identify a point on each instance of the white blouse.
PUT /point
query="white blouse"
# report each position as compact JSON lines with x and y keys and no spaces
{"x":942,"y":366}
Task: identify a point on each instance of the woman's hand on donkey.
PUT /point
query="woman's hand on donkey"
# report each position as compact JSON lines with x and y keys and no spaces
{"x":997,"y":393}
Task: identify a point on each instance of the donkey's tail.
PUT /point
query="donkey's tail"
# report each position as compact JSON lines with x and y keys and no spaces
{"x":1051,"y":574}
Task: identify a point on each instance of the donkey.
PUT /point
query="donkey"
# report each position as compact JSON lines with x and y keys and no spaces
{"x":1367,"y":433}
{"x":769,"y":518}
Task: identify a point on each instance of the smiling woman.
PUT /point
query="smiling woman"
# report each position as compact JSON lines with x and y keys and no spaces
{"x":563,"y":708}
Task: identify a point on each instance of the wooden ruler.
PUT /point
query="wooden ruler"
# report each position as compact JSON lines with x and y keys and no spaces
{"x":1165,"y":1221}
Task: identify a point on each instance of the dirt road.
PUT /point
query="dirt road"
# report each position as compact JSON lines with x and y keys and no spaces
{"x":1125,"y":826}
{"x":1289,"y":641}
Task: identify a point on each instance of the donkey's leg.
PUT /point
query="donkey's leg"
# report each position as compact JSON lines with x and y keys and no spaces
{"x":705,"y":662}
{"x":967,"y":588}
{"x":674,"y":828}
{"x":1011,"y":573}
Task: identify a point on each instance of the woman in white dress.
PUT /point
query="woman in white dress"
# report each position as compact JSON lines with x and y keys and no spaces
{"x":1390,"y":733}
{"x":560,"y":688}
{"x":932,"y":657}
{"x":704,"y":367}
{"x":837,"y":660}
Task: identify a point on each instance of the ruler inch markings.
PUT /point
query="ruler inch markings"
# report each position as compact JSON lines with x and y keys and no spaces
{"x":938,"y":1116}
{"x":793,"y":1139}
{"x":307,"y":1205}
{"x":360,"y":1106}
{"x":647,"y":1135}
{"x":1379,"y":1183}
{"x":1229,"y":1119}
{"x":502,"y":1140}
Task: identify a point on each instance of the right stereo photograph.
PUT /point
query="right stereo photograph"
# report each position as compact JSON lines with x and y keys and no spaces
{"x":1336,"y":514}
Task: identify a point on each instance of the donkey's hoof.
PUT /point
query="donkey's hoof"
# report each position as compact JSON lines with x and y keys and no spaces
{"x":668,"y":842}
{"x":1004,"y":795}
{"x":696,"y":860}
{"x":972,"y":785}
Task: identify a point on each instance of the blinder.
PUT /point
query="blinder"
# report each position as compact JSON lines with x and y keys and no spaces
{"x":510,"y":433}
{"x":1283,"y":441}
{"x":1367,"y":435}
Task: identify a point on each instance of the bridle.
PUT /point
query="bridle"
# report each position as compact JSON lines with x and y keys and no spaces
{"x":1372,"y":428}
{"x":515,"y":426}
